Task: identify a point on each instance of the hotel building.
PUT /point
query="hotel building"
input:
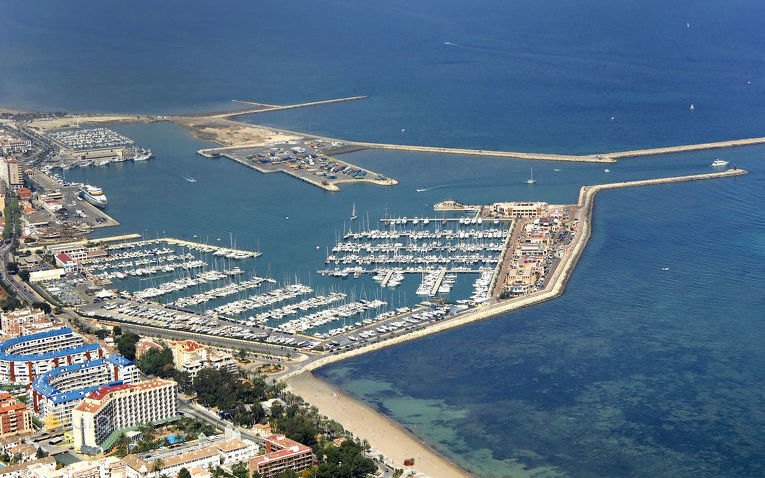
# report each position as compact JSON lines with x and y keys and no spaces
{"x":117,"y":407}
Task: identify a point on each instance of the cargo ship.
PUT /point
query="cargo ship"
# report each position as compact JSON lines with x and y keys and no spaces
{"x":94,"y":195}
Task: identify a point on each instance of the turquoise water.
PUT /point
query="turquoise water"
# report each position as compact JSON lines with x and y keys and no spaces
{"x":634,"y":371}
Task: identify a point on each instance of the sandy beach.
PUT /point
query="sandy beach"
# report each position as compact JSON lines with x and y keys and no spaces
{"x":383,"y":434}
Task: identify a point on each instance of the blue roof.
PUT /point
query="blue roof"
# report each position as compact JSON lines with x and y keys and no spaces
{"x":49,"y":355}
{"x":118,"y":360}
{"x":80,"y":393}
{"x":43,"y":387}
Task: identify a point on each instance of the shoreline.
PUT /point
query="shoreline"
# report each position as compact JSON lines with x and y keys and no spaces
{"x":335,"y":408}
{"x":384,"y":434}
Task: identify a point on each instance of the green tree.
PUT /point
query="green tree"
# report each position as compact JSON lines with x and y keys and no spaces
{"x":287,"y":474}
{"x":185,"y":382}
{"x":157,"y":362}
{"x":126,"y":345}
{"x":240,"y":470}
{"x":116,"y":330}
{"x":121,"y":444}
{"x":184,"y":473}
{"x":157,"y":466}
{"x":101,"y":333}
{"x":24,"y":275}
{"x":44,"y":306}
{"x":12,"y":268}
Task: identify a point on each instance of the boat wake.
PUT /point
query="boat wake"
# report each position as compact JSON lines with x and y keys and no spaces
{"x":448,"y":43}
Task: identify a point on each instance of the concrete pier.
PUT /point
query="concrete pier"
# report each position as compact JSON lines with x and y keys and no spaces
{"x":385,"y":281}
{"x":264,"y":108}
{"x":612,"y":157}
{"x":437,"y":284}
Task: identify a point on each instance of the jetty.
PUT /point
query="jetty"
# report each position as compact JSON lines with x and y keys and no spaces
{"x":612,"y":157}
{"x":265,"y":108}
{"x":437,"y":283}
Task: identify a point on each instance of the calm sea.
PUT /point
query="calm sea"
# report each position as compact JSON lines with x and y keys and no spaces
{"x":634,"y":371}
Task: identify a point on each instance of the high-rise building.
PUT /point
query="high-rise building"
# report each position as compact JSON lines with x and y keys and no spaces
{"x":114,"y":408}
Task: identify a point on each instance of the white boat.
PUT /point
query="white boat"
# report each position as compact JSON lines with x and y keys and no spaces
{"x":94,"y":195}
{"x":665,"y":269}
{"x":354,"y":216}
{"x":421,"y":190}
{"x":692,"y":107}
{"x":718,"y":163}
{"x":606,"y":170}
{"x":531,"y":180}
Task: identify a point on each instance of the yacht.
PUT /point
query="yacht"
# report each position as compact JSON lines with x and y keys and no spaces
{"x":531,"y":180}
{"x":143,"y":155}
{"x":718,"y":163}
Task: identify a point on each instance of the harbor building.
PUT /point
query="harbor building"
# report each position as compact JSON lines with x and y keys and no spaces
{"x":117,"y":407}
{"x":11,"y":174}
{"x":281,"y":454}
{"x":14,"y":416}
{"x":519,"y":209}
{"x":191,"y":357}
{"x":60,"y":390}
{"x":22,"y":359}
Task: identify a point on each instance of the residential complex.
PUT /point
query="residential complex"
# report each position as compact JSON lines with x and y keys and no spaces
{"x":122,"y":406}
{"x":22,"y":359}
{"x":10,"y":173}
{"x":14,"y":416}
{"x":200,"y":455}
{"x":24,"y":321}
{"x":60,"y":390}
{"x":281,"y":454}
{"x":192,"y":357}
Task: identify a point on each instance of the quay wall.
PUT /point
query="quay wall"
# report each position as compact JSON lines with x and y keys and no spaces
{"x":554,"y":289}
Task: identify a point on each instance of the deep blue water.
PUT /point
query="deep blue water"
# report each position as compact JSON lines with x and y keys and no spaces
{"x":634,"y":371}
{"x":544,"y":75}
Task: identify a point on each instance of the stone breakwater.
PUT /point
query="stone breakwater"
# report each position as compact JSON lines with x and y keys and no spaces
{"x":555,"y":287}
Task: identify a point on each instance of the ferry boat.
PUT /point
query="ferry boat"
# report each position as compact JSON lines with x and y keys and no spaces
{"x":94,"y":195}
{"x":143,"y":155}
{"x":718,"y":163}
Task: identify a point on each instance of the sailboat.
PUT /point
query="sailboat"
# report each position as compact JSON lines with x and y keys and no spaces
{"x":531,"y":180}
{"x":354,"y":216}
{"x":692,"y":107}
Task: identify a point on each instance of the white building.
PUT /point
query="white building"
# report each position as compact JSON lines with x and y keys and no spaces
{"x":109,"y":409}
{"x":22,"y":359}
{"x":63,"y":388}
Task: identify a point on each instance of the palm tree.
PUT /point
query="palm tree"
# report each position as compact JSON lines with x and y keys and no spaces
{"x":157,"y":466}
